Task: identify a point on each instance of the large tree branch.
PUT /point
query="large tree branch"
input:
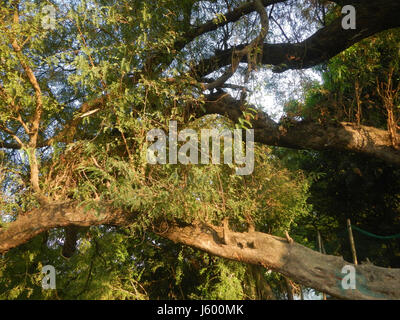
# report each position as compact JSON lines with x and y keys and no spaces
{"x":342,"y":136}
{"x":35,"y":121}
{"x":372,"y":17}
{"x":55,"y":215}
{"x":248,"y":51}
{"x":211,"y":25}
{"x":301,"y":264}
{"x":229,"y":17}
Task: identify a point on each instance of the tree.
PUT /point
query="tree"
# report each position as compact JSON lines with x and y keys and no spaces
{"x":77,"y":100}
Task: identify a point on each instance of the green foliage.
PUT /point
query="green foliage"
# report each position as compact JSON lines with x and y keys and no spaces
{"x":346,"y":185}
{"x":350,"y":80}
{"x":123,"y":53}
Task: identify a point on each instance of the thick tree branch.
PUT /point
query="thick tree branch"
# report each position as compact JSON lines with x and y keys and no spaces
{"x":248,"y":51}
{"x":229,"y":17}
{"x":211,"y":25}
{"x":55,"y":215}
{"x":299,"y":263}
{"x":342,"y":136}
{"x":303,"y":265}
{"x":35,"y":121}
{"x":372,"y":17}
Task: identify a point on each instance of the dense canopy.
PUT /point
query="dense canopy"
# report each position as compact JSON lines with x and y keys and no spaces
{"x":83,"y":82}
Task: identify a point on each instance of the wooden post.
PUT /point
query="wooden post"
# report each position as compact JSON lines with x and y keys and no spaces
{"x":320,"y":246}
{"x":319,"y":241}
{"x":352,"y":245}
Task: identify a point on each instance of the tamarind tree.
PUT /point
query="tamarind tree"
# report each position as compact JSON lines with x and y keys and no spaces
{"x":83,"y":83}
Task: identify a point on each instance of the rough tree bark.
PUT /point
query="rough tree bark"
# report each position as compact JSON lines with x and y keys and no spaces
{"x":343,"y":136}
{"x":301,"y":264}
